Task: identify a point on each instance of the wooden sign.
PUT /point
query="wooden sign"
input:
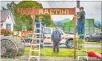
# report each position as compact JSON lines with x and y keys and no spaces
{"x":50,"y":11}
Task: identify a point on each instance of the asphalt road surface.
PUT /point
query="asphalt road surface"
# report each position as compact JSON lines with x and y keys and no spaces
{"x":64,"y":46}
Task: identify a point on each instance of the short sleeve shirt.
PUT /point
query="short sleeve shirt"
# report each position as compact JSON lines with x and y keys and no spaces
{"x":82,"y":16}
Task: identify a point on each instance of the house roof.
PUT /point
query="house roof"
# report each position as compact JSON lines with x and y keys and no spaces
{"x":4,"y":15}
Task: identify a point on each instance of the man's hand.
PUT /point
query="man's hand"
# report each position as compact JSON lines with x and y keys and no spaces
{"x":77,"y":17}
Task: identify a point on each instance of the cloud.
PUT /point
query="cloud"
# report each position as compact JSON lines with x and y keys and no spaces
{"x":59,"y":5}
{"x":61,"y":17}
{"x":92,"y":9}
{"x":44,"y":4}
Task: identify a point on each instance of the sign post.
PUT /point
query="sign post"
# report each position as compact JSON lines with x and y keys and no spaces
{"x":75,"y":40}
{"x":33,"y":27}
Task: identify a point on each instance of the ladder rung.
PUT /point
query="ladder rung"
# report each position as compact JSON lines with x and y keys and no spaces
{"x":38,"y":33}
{"x":38,"y":38}
{"x":35,"y":50}
{"x":41,"y":43}
{"x":42,"y":52}
{"x":35,"y":56}
{"x":35,"y":44}
{"x":82,"y":50}
{"x":37,"y":28}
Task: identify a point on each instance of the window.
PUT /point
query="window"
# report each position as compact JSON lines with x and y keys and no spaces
{"x":24,"y":28}
{"x":8,"y":26}
{"x":47,"y":31}
{"x":1,"y":25}
{"x":98,"y":33}
{"x":8,"y":17}
{"x":61,"y":32}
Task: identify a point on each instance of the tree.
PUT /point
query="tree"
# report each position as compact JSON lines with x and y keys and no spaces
{"x":10,"y":6}
{"x":26,"y":20}
{"x":3,"y":8}
{"x":99,"y":25}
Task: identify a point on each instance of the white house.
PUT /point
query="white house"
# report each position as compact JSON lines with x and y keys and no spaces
{"x":7,"y":19}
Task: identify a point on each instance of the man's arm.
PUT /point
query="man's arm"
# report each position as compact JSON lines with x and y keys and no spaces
{"x":60,"y":36}
{"x":52,"y":36}
{"x":82,"y":15}
{"x":78,"y":16}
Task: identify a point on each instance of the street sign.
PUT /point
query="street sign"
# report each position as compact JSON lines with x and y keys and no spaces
{"x":26,"y":33}
{"x":50,"y":11}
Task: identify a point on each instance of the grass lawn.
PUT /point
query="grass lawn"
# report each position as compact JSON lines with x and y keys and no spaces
{"x":64,"y":52}
{"x":96,"y":43}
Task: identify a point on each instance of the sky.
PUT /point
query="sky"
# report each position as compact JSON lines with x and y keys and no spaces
{"x":59,"y":5}
{"x":92,"y":9}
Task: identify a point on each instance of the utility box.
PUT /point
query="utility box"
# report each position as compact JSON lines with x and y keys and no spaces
{"x":89,"y":26}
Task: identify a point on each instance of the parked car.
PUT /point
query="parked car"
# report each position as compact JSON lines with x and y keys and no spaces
{"x":96,"y":37}
{"x":47,"y":35}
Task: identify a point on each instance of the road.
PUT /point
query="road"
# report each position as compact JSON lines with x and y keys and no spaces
{"x":64,"y":46}
{"x":86,"y":46}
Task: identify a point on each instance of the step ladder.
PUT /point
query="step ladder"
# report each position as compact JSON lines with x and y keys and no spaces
{"x":37,"y":43}
{"x":79,"y":50}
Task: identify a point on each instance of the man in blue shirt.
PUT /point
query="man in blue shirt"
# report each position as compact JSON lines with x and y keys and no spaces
{"x":37,"y":23}
{"x":56,"y":38}
{"x":81,"y":22}
{"x":40,"y":24}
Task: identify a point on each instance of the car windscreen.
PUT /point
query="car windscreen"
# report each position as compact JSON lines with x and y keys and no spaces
{"x":47,"y":31}
{"x":98,"y":33}
{"x":61,"y":32}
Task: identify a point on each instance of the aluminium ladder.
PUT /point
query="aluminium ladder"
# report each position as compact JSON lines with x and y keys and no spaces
{"x":83,"y":50}
{"x":37,"y":37}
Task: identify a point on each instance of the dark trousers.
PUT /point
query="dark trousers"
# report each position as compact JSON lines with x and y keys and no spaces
{"x":56,"y":46}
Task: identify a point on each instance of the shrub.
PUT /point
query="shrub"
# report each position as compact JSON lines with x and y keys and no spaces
{"x":6,"y":32}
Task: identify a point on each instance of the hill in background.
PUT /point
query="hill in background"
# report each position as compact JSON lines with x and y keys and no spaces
{"x":60,"y":23}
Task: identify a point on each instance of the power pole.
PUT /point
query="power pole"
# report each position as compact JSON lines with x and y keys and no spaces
{"x":78,"y":3}
{"x":101,"y":17}
{"x":75,"y":41}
